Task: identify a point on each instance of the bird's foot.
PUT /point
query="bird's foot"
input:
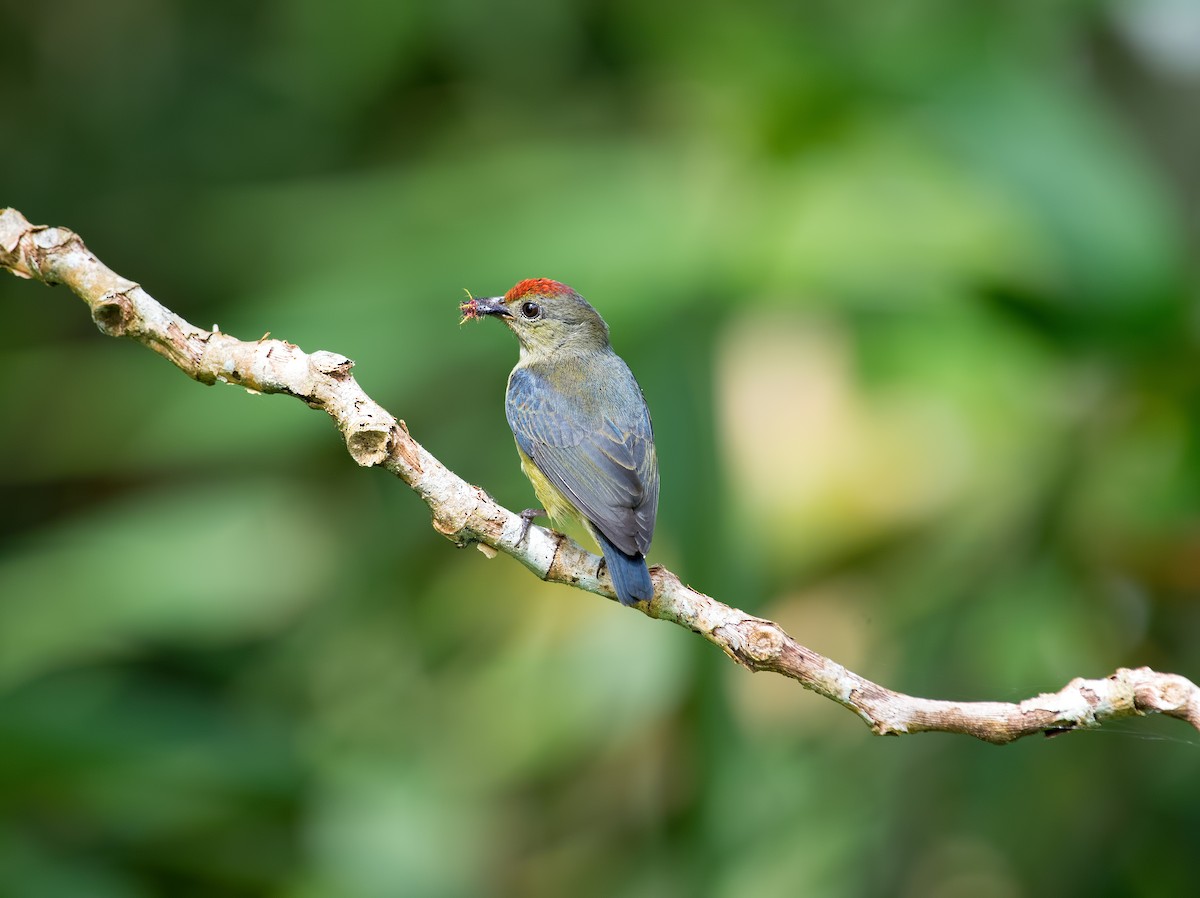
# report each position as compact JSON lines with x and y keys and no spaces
{"x":527,"y":517}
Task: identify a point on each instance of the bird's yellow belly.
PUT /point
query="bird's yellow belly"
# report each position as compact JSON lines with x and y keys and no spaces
{"x":557,"y":506}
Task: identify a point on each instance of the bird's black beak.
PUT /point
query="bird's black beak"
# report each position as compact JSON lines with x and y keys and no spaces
{"x":492,"y":305}
{"x":479,"y":306}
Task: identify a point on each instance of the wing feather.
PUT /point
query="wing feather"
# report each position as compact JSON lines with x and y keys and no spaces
{"x":595,"y":452}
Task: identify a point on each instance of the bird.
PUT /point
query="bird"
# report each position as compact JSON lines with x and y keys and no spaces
{"x":581,"y":425}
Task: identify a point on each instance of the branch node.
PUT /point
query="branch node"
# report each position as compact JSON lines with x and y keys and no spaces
{"x":453,"y":530}
{"x":369,"y":444}
{"x":1163,"y":693}
{"x":763,"y":641}
{"x":336,"y":366}
{"x":13,"y":227}
{"x":113,"y":313}
{"x":46,"y":242}
{"x":888,"y":728}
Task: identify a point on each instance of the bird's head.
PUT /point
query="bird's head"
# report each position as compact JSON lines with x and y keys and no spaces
{"x":547,"y":317}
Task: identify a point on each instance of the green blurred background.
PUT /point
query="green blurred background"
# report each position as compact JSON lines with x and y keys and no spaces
{"x":912,"y":290}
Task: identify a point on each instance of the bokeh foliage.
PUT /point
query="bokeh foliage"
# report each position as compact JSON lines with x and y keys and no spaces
{"x":911,"y":288}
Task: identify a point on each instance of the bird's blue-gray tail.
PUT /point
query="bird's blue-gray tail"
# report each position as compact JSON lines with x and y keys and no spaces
{"x":630,"y":576}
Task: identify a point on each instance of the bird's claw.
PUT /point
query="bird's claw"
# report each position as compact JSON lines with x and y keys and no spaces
{"x":527,"y":517}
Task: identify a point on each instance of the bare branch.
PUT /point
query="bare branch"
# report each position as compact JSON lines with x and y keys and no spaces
{"x":466,"y":514}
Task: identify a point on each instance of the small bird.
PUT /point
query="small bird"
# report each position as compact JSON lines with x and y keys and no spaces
{"x":581,"y":424}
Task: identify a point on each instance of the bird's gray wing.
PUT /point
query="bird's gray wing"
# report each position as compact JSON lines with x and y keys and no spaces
{"x":608,"y":471}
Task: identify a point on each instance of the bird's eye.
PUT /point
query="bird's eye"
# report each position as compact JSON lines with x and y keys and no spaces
{"x":531,"y":310}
